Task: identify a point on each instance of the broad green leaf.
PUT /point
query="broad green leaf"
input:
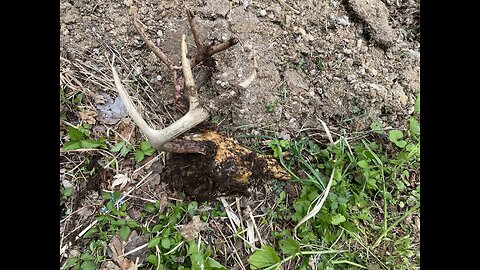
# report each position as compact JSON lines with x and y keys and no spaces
{"x":395,"y":135}
{"x":124,"y":232}
{"x":145,"y":145}
{"x":289,"y":246}
{"x":139,"y":156}
{"x":118,"y":147}
{"x":125,"y":150}
{"x":68,"y":191}
{"x":149,"y":151}
{"x":87,"y":257}
{"x":400,"y":143}
{"x":377,"y":127}
{"x":72,"y":145}
{"x":363,"y":164}
{"x":166,"y":243}
{"x":152,"y":259}
{"x":264,"y":257}
{"x":157,"y":228}
{"x":74,"y":134}
{"x":107,"y":195}
{"x":70,"y":262}
{"x":132,"y":224}
{"x":214,"y":264}
{"x":153,"y":242}
{"x":90,"y":144}
{"x":337,"y":219}
{"x":414,"y":126}
{"x":88,"y":265}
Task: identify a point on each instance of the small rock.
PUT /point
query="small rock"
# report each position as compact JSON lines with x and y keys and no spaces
{"x":309,"y":37}
{"x":288,"y":20}
{"x":271,"y":16}
{"x":137,"y":71}
{"x":160,"y":33}
{"x":359,"y":43}
{"x":351,"y":78}
{"x":262,"y":13}
{"x":372,"y":71}
{"x":347,"y":51}
{"x":248,"y":47}
{"x":343,"y":21}
{"x":159,"y":77}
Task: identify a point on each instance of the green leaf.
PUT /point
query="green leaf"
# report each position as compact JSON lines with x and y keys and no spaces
{"x":149,"y":151}
{"x":214,"y":264}
{"x":90,"y":232}
{"x":264,"y":257}
{"x":70,"y":262}
{"x":88,"y":265}
{"x":72,"y":145}
{"x":401,"y":143}
{"x":157,"y":228}
{"x":139,"y":156}
{"x":289,"y":246}
{"x":124,"y":232}
{"x":377,"y":127}
{"x":145,"y":145}
{"x":118,"y":147}
{"x":107,"y":195}
{"x":152,"y":259}
{"x":153,"y":242}
{"x":337,"y":219}
{"x":68,"y":191}
{"x":166,"y":243}
{"x":74,"y":134}
{"x":414,"y":126}
{"x":90,"y":144}
{"x":125,"y":150}
{"x":87,"y":257}
{"x":395,"y":135}
{"x":363,"y":164}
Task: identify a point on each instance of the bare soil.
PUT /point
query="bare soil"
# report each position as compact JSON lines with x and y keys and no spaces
{"x":348,"y":63}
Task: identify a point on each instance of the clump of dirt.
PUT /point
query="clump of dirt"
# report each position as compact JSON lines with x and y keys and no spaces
{"x":205,"y":176}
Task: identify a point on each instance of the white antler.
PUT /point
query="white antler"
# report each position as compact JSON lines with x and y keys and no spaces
{"x":195,"y":115}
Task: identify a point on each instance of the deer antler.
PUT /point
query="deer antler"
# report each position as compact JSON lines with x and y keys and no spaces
{"x":159,"y":139}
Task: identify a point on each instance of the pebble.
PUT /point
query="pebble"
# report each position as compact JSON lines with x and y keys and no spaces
{"x":160,"y":33}
{"x":159,"y":78}
{"x":262,"y":13}
{"x":271,"y":16}
{"x":351,"y":78}
{"x":288,"y":20}
{"x":343,"y":21}
{"x":248,"y":47}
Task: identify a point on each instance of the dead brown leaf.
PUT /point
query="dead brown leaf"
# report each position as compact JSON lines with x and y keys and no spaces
{"x":191,"y":230}
{"x":126,"y":129}
{"x":163,"y":202}
{"x":88,"y":117}
{"x":118,"y":249}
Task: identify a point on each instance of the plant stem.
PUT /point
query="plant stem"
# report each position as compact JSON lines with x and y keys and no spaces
{"x":379,"y":239}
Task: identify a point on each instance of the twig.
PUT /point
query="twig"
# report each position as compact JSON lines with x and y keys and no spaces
{"x":285,"y":5}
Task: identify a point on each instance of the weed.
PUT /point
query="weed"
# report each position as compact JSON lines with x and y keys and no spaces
{"x":78,"y":138}
{"x":145,"y":149}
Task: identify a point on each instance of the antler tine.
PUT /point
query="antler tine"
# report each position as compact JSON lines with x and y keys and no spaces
{"x":132,"y":111}
{"x":158,"y":138}
{"x":188,"y":76}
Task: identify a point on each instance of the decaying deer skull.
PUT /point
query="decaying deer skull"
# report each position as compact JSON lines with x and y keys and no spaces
{"x":215,"y":164}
